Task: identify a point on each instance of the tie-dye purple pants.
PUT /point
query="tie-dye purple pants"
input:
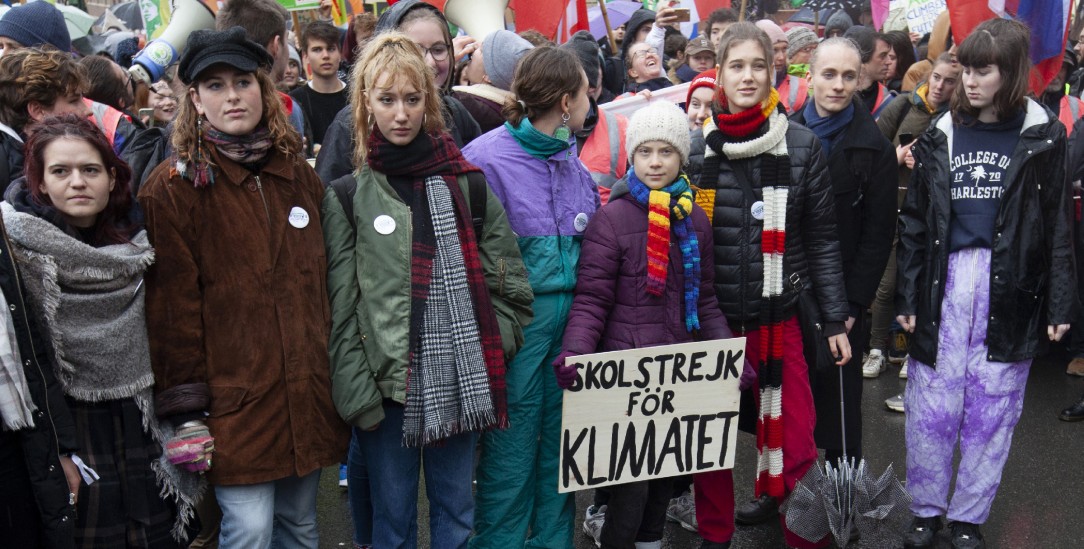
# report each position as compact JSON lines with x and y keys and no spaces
{"x":966,"y":398}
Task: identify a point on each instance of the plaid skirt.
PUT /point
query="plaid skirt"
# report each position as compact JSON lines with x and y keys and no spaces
{"x":123,"y":508}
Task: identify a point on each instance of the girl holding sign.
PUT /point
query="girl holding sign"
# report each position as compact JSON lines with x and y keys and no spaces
{"x":985,"y":264}
{"x":637,"y":290}
{"x":765,"y":188}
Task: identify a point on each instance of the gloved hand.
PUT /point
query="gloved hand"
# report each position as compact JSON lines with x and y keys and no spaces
{"x":191,"y":447}
{"x":748,"y":376}
{"x":566,"y":375}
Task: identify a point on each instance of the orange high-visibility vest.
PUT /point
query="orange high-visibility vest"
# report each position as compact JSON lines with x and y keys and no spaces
{"x":793,"y":92}
{"x":604,"y":153}
{"x":1069,"y":112}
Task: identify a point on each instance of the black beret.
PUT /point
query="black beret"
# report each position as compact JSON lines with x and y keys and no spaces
{"x":230,"y":47}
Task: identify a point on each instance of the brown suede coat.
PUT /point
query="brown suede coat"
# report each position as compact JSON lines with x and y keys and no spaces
{"x":237,"y":310}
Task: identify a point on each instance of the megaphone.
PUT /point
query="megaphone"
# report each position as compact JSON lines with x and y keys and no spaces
{"x":188,"y":16}
{"x":478,"y":17}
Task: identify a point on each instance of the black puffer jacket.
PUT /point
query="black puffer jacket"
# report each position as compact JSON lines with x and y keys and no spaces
{"x":1032,"y":268}
{"x":812,"y":246}
{"x":53,"y":433}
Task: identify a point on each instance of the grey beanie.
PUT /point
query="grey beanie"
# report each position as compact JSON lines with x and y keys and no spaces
{"x":839,"y":21}
{"x":659,"y":121}
{"x":798,"y":38}
{"x":501,"y":51}
{"x":586,"y":49}
{"x":36,"y":24}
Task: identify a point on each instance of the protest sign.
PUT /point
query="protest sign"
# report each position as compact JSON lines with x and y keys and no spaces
{"x":627,"y":106}
{"x":921,"y":14}
{"x":650,"y":413}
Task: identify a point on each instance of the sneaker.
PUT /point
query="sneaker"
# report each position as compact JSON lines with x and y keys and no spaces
{"x":874,"y":364}
{"x":922,"y":533}
{"x":682,"y":510}
{"x":895,"y":403}
{"x":592,"y":523}
{"x":966,"y":536}
{"x":903,"y":369}
{"x":898,"y":353}
{"x":342,"y":475}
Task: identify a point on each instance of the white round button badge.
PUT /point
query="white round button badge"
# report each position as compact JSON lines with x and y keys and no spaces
{"x":384,"y":224}
{"x":299,"y":218}
{"x":580,"y":222}
{"x":758,"y":210}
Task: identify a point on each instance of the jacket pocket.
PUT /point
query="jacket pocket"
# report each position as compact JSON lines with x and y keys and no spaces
{"x":226,"y":400}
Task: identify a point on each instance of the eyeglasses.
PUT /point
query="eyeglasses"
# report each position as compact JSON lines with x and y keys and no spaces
{"x":439,"y":52}
{"x":642,"y":53}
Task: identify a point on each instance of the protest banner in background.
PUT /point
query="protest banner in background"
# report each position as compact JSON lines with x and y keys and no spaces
{"x":650,"y":413}
{"x":921,"y":14}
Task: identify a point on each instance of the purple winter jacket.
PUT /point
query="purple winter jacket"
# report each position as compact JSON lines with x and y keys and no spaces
{"x":612,"y":310}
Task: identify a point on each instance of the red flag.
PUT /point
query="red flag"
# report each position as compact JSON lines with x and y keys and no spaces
{"x":965,"y":15}
{"x":538,"y":15}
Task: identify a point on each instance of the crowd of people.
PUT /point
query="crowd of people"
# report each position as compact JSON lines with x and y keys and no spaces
{"x":383,"y":246}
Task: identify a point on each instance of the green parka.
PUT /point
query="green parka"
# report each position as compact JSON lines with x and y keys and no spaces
{"x":369,"y":289}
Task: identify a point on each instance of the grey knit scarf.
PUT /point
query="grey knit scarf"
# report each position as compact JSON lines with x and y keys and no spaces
{"x":91,"y":301}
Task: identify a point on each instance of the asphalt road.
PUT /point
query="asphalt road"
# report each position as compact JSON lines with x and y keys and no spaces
{"x":1039,"y":503}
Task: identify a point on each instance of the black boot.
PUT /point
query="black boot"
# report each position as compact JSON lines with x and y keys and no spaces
{"x":922,"y":533}
{"x":757,"y":511}
{"x":1074,"y":412}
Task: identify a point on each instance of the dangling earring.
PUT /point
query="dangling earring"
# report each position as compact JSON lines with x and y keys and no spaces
{"x":199,"y":137}
{"x":563,"y":132}
{"x":371,"y":121}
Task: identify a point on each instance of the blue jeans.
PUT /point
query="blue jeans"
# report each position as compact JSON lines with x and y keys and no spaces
{"x":361,"y":504}
{"x":393,"y":481}
{"x":279,"y":514}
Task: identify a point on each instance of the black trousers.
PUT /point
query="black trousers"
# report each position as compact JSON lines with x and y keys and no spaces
{"x":20,"y":521}
{"x":635,"y":512}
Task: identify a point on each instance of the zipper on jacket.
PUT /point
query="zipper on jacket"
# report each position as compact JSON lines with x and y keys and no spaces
{"x":259,"y":187}
{"x":500,"y":285}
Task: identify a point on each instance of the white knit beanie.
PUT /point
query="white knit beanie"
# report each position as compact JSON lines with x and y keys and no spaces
{"x":660,"y":120}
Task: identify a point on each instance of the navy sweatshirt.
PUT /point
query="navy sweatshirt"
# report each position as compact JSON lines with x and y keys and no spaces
{"x":981,"y":155}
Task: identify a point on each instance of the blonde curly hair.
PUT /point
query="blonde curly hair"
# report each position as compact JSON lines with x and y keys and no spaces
{"x":395,"y":55}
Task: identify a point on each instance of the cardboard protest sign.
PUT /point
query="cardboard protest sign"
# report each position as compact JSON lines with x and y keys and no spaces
{"x":650,"y":413}
{"x":921,"y":14}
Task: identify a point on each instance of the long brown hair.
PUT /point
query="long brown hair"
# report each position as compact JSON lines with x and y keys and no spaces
{"x":283,"y":135}
{"x":542,"y":78}
{"x":112,"y":225}
{"x":393,"y":54}
{"x":735,"y":34}
{"x":1000,"y":42}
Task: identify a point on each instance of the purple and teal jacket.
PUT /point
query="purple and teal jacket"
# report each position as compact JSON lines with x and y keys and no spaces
{"x":548,"y":204}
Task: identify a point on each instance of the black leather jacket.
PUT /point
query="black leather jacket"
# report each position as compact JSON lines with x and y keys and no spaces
{"x":1032,"y":268}
{"x":812,"y":246}
{"x":53,"y":433}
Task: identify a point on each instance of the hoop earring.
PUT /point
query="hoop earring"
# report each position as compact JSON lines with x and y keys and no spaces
{"x":563,"y":132}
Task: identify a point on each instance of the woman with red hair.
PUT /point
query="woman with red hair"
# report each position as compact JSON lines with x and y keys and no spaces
{"x":79,"y":242}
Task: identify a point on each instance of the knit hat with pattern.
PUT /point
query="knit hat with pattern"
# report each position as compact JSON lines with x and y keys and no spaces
{"x":798,"y":38}
{"x":660,"y":120}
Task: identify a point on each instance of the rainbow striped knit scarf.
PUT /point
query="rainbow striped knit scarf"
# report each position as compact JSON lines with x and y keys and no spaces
{"x":675,"y":200}
{"x":770,"y":145}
